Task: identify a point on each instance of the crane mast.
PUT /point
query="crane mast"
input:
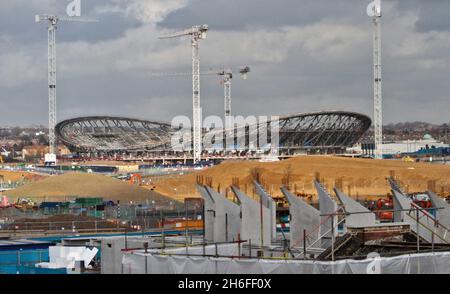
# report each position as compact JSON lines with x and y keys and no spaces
{"x":374,"y":11}
{"x":227,"y":77}
{"x":197,"y":33}
{"x":52,"y":85}
{"x":50,"y":158}
{"x":378,"y":100}
{"x":197,"y":110}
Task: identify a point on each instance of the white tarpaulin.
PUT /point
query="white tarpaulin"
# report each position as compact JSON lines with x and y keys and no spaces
{"x":65,"y":257}
{"x":222,"y":250}
{"x":141,"y":263}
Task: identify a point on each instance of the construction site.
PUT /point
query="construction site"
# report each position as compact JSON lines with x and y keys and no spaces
{"x":314,"y":192}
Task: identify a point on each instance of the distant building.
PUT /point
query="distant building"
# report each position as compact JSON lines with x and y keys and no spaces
{"x":34,"y":151}
{"x":38,"y":151}
{"x":406,"y":146}
{"x":411,"y":146}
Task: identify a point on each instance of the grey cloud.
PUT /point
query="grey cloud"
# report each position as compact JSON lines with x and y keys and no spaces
{"x":305,"y":56}
{"x":433,"y":14}
{"x":237,"y":14}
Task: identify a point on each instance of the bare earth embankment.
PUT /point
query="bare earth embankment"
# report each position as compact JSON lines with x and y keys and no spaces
{"x":71,"y":185}
{"x":359,"y":177}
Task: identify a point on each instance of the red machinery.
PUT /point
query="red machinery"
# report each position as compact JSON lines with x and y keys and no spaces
{"x":383,"y":209}
{"x":5,"y":202}
{"x":136,"y":179}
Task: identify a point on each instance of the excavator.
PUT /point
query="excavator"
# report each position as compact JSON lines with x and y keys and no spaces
{"x":136,"y":179}
{"x":408,"y":159}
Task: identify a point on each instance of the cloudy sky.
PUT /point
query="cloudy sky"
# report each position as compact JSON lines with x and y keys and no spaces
{"x":305,"y":55}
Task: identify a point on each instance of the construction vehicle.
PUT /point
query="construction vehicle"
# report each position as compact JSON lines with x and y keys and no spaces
{"x":408,"y":159}
{"x":422,"y":200}
{"x":26,"y":204}
{"x":383,"y":209}
{"x":136,"y":179}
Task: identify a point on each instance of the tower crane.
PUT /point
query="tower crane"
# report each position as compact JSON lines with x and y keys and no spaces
{"x":196,"y":33}
{"x":53,"y":20}
{"x":226,"y":78}
{"x":374,"y":11}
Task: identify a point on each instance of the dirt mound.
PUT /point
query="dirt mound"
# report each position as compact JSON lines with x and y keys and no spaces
{"x":72,"y":185}
{"x":357,"y":177}
{"x":18,"y":176}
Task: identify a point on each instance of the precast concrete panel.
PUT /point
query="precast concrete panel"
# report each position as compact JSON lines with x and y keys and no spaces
{"x":400,"y":202}
{"x":252,"y":224}
{"x":425,"y":228}
{"x":304,"y":217}
{"x":327,"y":206}
{"x":111,"y":256}
{"x":209,"y":211}
{"x":358,"y":215}
{"x":270,"y":204}
{"x":112,"y":252}
{"x":227,"y":222}
{"x":442,"y":209}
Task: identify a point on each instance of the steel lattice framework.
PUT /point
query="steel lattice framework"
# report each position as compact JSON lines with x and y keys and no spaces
{"x":53,"y":21}
{"x":374,"y":11}
{"x":331,"y":129}
{"x":103,"y":133}
{"x":320,"y":130}
{"x":196,"y":33}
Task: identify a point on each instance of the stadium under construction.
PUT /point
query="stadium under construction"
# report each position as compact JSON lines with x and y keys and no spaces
{"x":327,"y":132}
{"x":107,"y":205}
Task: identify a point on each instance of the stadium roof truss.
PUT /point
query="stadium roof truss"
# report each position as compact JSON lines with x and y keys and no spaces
{"x":323,"y":129}
{"x":330,"y":129}
{"x":113,"y":133}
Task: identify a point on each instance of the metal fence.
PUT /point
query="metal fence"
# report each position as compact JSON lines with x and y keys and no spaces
{"x":23,"y":257}
{"x":113,"y":220}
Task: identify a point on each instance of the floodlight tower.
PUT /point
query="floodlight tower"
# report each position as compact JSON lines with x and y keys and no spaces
{"x":374,"y":11}
{"x":50,"y":158}
{"x":197,"y":33}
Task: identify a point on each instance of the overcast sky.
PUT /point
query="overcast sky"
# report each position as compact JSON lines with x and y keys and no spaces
{"x":305,"y":55}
